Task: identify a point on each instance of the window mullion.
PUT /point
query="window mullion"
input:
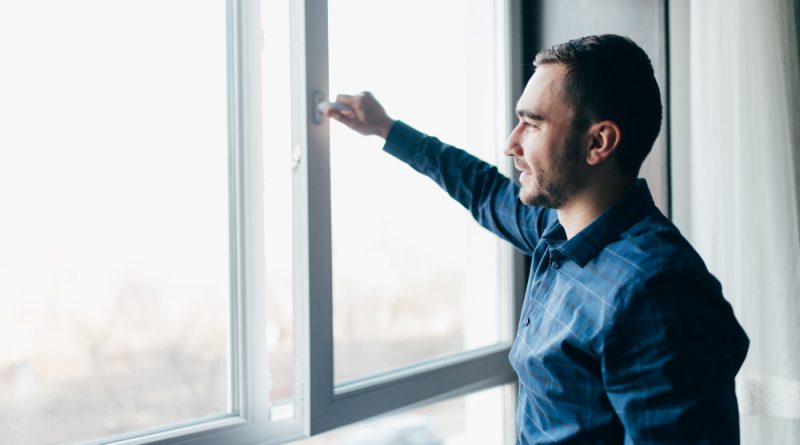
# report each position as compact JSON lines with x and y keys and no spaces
{"x":252,"y":309}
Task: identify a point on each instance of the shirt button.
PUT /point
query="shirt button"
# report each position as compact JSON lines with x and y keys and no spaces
{"x":527,"y":321}
{"x":556,"y":264}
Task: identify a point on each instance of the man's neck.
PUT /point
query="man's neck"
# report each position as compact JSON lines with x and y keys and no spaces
{"x":587,"y":205}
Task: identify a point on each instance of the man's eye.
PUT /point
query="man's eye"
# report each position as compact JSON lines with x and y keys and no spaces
{"x":530,"y":125}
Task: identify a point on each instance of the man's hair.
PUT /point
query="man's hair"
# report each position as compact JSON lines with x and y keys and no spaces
{"x":610,"y":78}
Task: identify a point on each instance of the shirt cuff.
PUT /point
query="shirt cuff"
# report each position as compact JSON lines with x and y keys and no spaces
{"x":402,"y":141}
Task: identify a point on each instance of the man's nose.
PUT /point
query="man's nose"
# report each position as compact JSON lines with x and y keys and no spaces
{"x":512,"y":147}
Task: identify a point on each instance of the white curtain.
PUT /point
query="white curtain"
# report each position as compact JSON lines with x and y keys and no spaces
{"x":745,"y":183}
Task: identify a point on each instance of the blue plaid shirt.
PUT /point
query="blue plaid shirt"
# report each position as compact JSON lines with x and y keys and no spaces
{"x":624,"y":335}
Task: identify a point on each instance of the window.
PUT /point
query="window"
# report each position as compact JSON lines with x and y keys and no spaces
{"x":190,"y":255}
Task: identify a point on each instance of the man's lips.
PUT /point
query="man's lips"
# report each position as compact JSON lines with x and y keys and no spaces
{"x":522,"y":169}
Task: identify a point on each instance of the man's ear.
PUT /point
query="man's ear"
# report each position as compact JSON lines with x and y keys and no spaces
{"x":604,"y":138}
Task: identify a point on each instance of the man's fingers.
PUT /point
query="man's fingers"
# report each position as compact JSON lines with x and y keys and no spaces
{"x":347,"y":99}
{"x":340,"y":114}
{"x":361,"y":112}
{"x":346,"y":117}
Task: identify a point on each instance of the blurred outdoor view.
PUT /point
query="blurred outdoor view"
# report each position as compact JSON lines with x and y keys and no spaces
{"x":114,"y":253}
{"x":114,"y":279}
{"x":414,"y":276}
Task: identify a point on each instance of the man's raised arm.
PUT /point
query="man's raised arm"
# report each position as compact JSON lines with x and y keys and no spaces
{"x":491,"y":197}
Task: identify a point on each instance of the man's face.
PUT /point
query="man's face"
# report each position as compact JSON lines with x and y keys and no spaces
{"x":544,"y":145}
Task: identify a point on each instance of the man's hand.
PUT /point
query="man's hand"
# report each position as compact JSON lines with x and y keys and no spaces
{"x":367,"y":116}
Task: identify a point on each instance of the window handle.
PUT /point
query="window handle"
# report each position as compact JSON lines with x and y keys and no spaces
{"x":321,"y":105}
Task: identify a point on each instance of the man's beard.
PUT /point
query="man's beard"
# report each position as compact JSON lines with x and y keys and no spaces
{"x":556,"y":187}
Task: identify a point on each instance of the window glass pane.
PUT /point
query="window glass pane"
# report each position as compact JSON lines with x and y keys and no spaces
{"x":114,"y":282}
{"x":414,"y":276}
{"x":277,"y":139}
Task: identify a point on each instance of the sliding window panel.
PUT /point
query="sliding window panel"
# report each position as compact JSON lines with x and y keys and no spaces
{"x":415,"y":278}
{"x":357,"y":286}
{"x":115,"y":295}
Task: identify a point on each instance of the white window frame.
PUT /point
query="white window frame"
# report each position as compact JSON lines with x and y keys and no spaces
{"x":320,"y":404}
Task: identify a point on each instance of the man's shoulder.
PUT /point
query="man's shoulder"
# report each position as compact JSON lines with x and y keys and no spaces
{"x":652,"y":248}
{"x":667,"y":286}
{"x":655,"y":242}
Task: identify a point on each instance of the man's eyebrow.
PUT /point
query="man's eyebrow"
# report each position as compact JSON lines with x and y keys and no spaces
{"x":530,"y":115}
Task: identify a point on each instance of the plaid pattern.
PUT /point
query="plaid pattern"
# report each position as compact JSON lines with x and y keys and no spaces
{"x":624,"y":335}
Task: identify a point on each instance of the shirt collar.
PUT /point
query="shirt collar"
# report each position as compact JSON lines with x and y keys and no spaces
{"x":605,"y":228}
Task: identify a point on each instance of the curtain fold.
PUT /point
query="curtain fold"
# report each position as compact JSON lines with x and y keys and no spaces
{"x":745,"y":173}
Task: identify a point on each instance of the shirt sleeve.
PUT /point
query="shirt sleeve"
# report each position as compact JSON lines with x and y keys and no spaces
{"x":491,"y":198}
{"x":669,"y":361}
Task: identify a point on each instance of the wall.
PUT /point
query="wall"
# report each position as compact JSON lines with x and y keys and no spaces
{"x":644,"y":21}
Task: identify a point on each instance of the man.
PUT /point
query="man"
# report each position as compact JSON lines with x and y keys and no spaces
{"x":624,"y":335}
